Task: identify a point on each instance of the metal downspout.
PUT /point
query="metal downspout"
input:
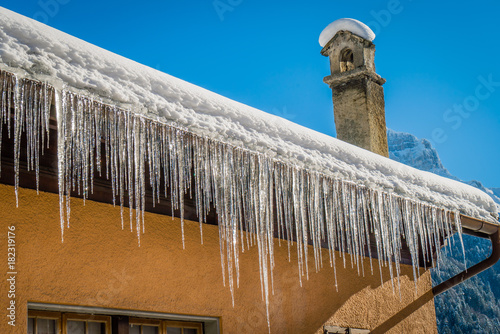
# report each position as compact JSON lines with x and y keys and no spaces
{"x":475,"y":269}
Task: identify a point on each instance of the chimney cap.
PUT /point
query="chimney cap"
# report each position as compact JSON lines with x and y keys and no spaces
{"x":352,"y":25}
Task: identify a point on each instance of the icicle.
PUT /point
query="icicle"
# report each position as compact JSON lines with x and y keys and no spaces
{"x":18,"y":127}
{"x":61,"y":157}
{"x":458,"y":227}
{"x":3,"y":109}
{"x":7,"y":102}
{"x":28,"y":99}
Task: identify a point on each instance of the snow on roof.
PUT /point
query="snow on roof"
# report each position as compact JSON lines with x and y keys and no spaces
{"x":44,"y":53}
{"x":352,"y":25}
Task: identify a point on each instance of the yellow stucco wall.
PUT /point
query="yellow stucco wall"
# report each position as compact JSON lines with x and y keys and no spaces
{"x":100,"y":265}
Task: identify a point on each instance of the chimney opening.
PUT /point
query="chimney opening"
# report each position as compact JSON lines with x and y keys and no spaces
{"x":346,"y":60}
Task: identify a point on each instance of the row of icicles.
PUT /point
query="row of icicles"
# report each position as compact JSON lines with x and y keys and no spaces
{"x":249,"y":191}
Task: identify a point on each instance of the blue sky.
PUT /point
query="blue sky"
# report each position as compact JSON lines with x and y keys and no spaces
{"x":440,"y":59}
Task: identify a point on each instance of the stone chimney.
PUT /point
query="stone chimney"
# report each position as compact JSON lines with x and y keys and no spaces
{"x":358,"y":96}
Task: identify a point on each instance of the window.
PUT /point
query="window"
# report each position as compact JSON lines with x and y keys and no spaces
{"x":181,"y":327}
{"x":40,"y":322}
{"x":85,"y":324}
{"x":148,"y":326}
{"x":346,"y":60}
{"x":83,"y":320}
{"x":144,"y":326}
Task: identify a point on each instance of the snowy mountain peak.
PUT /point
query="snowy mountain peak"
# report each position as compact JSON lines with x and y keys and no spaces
{"x":415,"y":152}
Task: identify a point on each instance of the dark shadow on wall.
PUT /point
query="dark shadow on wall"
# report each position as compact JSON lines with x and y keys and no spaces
{"x":403,"y":314}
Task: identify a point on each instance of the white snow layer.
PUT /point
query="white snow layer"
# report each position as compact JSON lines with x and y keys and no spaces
{"x":352,"y":25}
{"x":50,"y":55}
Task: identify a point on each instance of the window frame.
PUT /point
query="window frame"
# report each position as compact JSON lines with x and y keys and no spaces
{"x":33,"y":314}
{"x":182,"y":324}
{"x":85,"y":318}
{"x":118,"y":319}
{"x":147,"y":322}
{"x":163,"y":324}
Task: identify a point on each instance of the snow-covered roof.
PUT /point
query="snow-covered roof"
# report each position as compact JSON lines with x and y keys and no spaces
{"x":36,"y":50}
{"x":352,"y":25}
